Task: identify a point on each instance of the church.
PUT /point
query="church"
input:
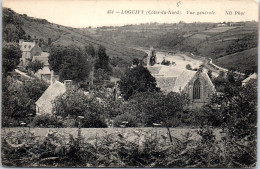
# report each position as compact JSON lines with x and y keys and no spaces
{"x":196,"y":84}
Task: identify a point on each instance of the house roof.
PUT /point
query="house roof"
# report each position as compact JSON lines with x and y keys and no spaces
{"x":253,"y":76}
{"x":44,"y":71}
{"x":44,"y":103}
{"x":27,"y":46}
{"x":43,"y":58}
{"x":171,"y":79}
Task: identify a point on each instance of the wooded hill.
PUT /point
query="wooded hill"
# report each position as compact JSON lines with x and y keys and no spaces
{"x":17,"y":26}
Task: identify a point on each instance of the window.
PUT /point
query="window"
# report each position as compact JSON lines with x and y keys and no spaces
{"x":196,"y":89}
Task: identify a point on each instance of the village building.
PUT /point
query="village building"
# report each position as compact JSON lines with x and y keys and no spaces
{"x":197,"y":85}
{"x":32,"y":52}
{"x":29,"y":49}
{"x":45,"y":72}
{"x":44,"y":103}
{"x":245,"y":81}
{"x":221,"y":25}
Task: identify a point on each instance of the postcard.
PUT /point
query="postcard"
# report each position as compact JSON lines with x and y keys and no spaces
{"x":89,"y":83}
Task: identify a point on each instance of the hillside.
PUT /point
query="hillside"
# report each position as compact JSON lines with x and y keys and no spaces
{"x":17,"y":26}
{"x":204,"y":39}
{"x":242,"y":60}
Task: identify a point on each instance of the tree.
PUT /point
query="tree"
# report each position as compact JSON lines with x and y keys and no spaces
{"x":237,"y":108}
{"x":11,"y":57}
{"x":231,"y":77}
{"x":201,"y":67}
{"x":103,"y":59}
{"x":75,"y":68}
{"x":188,"y":66}
{"x":35,"y":88}
{"x":100,"y":76}
{"x":12,"y":26}
{"x":159,"y":107}
{"x":49,"y":41}
{"x":138,"y":79}
{"x":35,"y":65}
{"x":19,"y":100}
{"x":221,"y":74}
{"x":56,"y":57}
{"x":166,"y":62}
{"x":10,"y":33}
{"x":69,"y":62}
{"x":90,"y":50}
{"x":74,"y":103}
{"x":136,"y":61}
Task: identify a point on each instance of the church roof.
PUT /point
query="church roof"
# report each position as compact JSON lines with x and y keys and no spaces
{"x":171,"y":79}
{"x":166,"y":83}
{"x":44,"y":103}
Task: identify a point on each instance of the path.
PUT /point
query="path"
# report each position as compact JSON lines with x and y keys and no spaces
{"x":22,"y":74}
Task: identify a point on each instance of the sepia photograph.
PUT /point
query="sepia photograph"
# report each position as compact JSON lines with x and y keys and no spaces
{"x":147,"y":84}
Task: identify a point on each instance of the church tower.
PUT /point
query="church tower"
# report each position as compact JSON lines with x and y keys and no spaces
{"x":151,"y":59}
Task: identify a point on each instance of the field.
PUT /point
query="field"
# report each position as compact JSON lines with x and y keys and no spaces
{"x":219,"y":29}
{"x":91,"y":133}
{"x":200,"y":36}
{"x":240,"y":61}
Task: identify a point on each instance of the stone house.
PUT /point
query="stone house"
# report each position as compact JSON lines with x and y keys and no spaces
{"x":56,"y":88}
{"x":29,"y":49}
{"x":245,"y":81}
{"x":45,"y":72}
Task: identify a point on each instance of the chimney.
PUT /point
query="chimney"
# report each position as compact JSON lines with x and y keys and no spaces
{"x":54,"y":78}
{"x":36,"y":41}
{"x":21,"y":42}
{"x":68,"y":84}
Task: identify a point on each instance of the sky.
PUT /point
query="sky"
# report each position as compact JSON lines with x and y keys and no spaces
{"x":84,"y":13}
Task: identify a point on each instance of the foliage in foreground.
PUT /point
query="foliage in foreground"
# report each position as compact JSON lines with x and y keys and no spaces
{"x":126,"y":149}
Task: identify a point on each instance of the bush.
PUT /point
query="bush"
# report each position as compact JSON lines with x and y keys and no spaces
{"x":69,"y":122}
{"x":75,"y":103}
{"x":166,"y":62}
{"x":131,"y":119}
{"x":93,"y":120}
{"x":9,"y":122}
{"x":46,"y":120}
